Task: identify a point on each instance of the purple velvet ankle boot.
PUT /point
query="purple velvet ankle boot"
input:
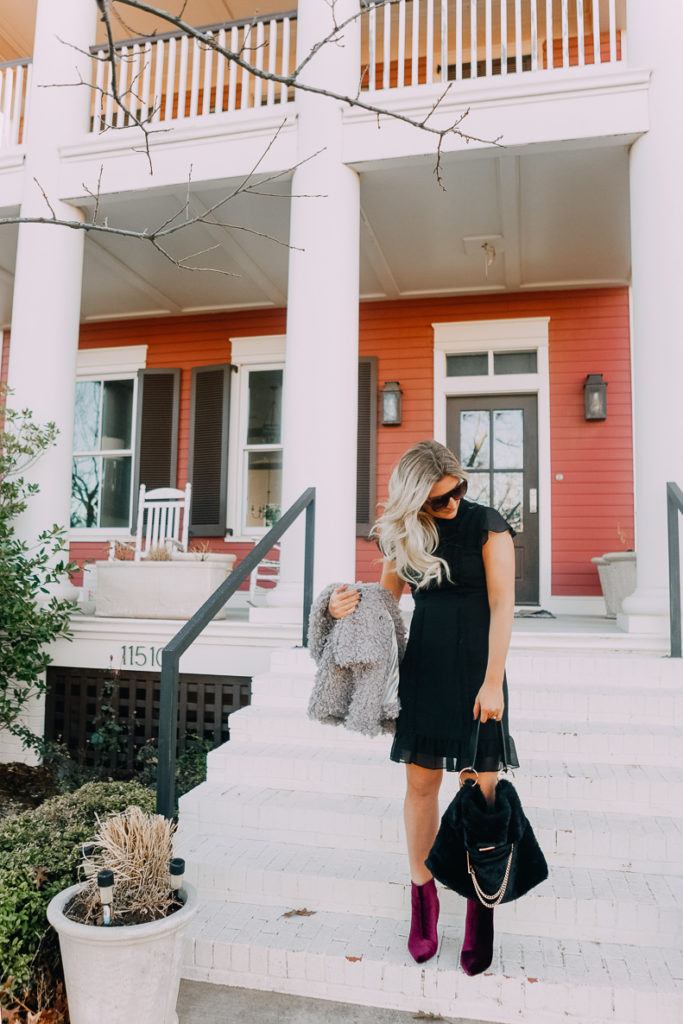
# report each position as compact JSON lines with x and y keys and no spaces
{"x":477,"y":948}
{"x":423,"y":940}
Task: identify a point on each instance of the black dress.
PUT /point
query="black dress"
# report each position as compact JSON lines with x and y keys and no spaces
{"x":447,"y":654}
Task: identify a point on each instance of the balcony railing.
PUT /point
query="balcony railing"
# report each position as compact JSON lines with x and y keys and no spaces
{"x":15,"y":80}
{"x":172,"y":77}
{"x":424,"y":42}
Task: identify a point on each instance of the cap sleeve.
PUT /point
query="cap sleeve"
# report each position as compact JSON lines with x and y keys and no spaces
{"x":493,"y":521}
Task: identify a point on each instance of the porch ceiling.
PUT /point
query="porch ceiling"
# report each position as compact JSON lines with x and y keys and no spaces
{"x":555,"y":219}
{"x":18,"y":19}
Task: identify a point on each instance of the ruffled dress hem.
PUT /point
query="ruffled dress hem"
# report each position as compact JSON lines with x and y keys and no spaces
{"x":450,"y":755}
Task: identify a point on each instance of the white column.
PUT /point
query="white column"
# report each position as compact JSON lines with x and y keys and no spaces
{"x":49,"y":264}
{"x":321,"y":376}
{"x":654,"y":34}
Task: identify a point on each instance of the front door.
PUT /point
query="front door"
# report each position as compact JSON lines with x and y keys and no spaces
{"x":496,"y":439}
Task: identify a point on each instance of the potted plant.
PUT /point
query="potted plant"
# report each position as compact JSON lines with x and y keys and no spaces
{"x":164,"y":584}
{"x":617,"y":572}
{"x":120,"y":931}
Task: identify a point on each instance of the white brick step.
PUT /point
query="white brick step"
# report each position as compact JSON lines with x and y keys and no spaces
{"x":606,"y":906}
{"x":608,"y":742}
{"x":613,"y":668}
{"x":569,"y":838}
{"x":557,"y":696}
{"x":635,"y":789}
{"x":363,"y":959}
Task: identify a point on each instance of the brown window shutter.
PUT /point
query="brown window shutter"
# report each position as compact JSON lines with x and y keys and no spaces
{"x":208,"y":463}
{"x":366,"y":472}
{"x":156,"y":439}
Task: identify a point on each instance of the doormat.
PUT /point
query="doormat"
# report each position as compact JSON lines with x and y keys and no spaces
{"x":540,"y":613}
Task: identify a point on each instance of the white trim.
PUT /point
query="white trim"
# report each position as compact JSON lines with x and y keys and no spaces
{"x":102,"y":362}
{"x":258,"y":349}
{"x":2,"y":347}
{"x":520,"y":334}
{"x":560,"y":605}
{"x":267,"y":352}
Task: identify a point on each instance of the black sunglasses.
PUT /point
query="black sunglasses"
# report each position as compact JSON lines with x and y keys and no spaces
{"x":441,"y":502}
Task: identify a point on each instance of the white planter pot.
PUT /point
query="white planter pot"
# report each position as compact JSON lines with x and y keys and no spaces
{"x":617,"y":572}
{"x":121,"y":974}
{"x":159,"y":590}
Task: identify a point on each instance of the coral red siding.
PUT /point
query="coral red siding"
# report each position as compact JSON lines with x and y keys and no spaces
{"x":179,"y":342}
{"x":592,"y":507}
{"x":4,"y":361}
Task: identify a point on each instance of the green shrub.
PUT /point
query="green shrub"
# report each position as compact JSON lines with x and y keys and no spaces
{"x":39,"y":856}
{"x":31,"y":618}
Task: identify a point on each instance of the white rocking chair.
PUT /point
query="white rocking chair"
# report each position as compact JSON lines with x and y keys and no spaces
{"x":163,"y":519}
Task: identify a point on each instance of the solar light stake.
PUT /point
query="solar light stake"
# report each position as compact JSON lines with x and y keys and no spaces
{"x":105,"y":883}
{"x":177,"y":871}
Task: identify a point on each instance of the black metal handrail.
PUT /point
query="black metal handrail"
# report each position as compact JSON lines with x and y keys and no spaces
{"x":674,"y":505}
{"x":170,"y":656}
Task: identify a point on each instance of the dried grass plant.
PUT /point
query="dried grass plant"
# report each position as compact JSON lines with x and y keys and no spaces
{"x":124,"y":551}
{"x":138,"y":848}
{"x":158,"y":553}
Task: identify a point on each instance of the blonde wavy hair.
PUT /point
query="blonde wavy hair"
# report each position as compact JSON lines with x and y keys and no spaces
{"x":407,"y":533}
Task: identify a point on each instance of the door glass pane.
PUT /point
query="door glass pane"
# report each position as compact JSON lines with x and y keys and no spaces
{"x":264,"y":488}
{"x":478,"y":488}
{"x":508,"y":439}
{"x":117,"y":414}
{"x":508,"y":496}
{"x":87,"y":416}
{"x":116,"y":491}
{"x":474,"y":439}
{"x":265,"y":407}
{"x":474,"y":365}
{"x":85,"y":491}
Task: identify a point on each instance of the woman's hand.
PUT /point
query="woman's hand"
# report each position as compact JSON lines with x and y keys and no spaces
{"x":489,"y":703}
{"x":342,"y":601}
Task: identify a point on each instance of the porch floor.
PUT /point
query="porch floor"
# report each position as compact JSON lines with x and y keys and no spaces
{"x":532,"y":629}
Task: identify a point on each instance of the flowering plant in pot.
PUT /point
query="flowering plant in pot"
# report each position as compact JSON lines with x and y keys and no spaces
{"x":120,"y":931}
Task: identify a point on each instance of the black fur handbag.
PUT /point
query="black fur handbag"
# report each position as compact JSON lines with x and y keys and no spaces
{"x":487,"y":853}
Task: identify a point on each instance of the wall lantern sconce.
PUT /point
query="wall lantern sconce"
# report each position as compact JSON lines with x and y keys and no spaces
{"x":595,"y":397}
{"x":392,"y":404}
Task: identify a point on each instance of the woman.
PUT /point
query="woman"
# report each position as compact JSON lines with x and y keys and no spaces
{"x":459,"y":561}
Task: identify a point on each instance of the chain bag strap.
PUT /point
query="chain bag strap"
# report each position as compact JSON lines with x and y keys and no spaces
{"x":489,"y":900}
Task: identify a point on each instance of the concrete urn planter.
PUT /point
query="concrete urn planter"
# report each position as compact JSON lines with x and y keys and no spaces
{"x":617,"y":572}
{"x":121,"y":974}
{"x":160,"y":590}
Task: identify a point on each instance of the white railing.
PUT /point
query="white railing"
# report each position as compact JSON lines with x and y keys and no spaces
{"x":420,"y":42}
{"x":173,"y":77}
{"x":15,"y":81}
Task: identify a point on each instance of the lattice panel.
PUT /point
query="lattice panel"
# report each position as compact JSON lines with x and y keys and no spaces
{"x":75,"y":697}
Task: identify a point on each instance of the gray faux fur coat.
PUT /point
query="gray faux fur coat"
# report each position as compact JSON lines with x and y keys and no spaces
{"x":354,"y":657}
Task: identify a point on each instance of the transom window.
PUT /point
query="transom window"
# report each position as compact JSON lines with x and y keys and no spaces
{"x":103,"y":454}
{"x":484,"y":364}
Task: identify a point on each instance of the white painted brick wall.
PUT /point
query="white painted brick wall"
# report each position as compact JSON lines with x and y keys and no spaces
{"x":33,"y":717}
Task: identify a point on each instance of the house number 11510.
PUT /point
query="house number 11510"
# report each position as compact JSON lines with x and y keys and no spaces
{"x":140,"y":656}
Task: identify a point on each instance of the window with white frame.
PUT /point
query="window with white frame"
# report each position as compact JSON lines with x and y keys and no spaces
{"x":101,"y":477}
{"x":256,"y":449}
{"x":262,"y":450}
{"x":104,"y":438}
